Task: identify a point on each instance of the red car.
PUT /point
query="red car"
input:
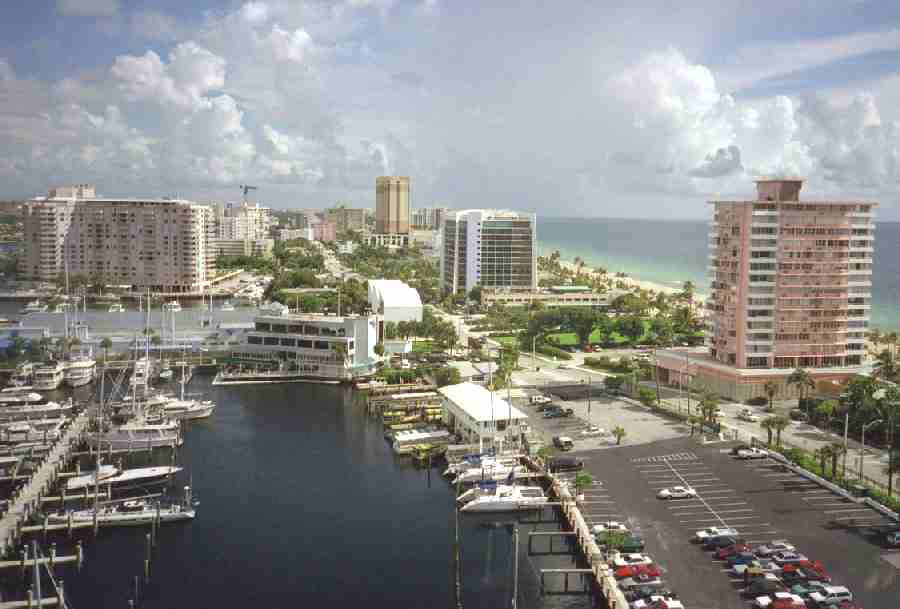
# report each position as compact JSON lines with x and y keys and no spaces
{"x":806,"y":570}
{"x":635,"y":570}
{"x":786,"y":603}
{"x":723,"y":553}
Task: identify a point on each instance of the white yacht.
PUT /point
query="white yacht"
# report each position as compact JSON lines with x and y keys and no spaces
{"x":502,"y":498}
{"x":490,"y":471}
{"x":166,"y":373}
{"x":23,"y":375}
{"x":19,"y":396}
{"x":109,"y":474}
{"x":39,"y":411}
{"x":172,"y":307}
{"x":80,"y":371}
{"x":405,"y":440}
{"x":116,"y":308}
{"x":35,"y":306}
{"x":479,"y":461}
{"x":226,"y":306}
{"x":49,"y":376}
{"x":187,"y":409}
{"x":134,"y":512}
{"x":138,"y":433}
{"x":42,"y":430}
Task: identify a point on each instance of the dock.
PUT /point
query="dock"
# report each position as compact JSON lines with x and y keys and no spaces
{"x":29,"y":498}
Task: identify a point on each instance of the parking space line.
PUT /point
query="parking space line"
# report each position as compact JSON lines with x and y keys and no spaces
{"x":847,"y":510}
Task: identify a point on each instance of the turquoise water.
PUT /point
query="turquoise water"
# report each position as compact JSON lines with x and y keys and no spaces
{"x":671,"y":252}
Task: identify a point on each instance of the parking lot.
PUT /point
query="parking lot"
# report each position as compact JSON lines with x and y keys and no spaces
{"x":759,"y":498}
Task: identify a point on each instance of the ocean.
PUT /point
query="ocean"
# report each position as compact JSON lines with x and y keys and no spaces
{"x":672,"y":252}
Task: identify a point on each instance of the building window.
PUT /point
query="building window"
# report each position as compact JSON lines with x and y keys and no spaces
{"x":254,"y":340}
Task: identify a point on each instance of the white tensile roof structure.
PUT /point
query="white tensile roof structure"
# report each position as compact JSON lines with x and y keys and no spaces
{"x":394,"y":300}
{"x":475,"y":401}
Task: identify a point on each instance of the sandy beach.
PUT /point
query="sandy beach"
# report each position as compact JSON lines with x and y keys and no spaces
{"x":631,"y":281}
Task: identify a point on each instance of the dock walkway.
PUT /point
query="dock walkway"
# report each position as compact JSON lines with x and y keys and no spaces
{"x":27,"y":499}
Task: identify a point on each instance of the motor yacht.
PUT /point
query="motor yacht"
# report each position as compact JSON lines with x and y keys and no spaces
{"x":80,"y":371}
{"x":17,"y":396}
{"x":23,"y":375}
{"x":134,"y":512}
{"x":502,"y":498}
{"x":49,"y":376}
{"x":42,"y":430}
{"x":490,"y":471}
{"x":35,"y":411}
{"x":139,"y":432}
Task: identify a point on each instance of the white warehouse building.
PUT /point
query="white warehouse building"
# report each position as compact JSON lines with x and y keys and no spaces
{"x":480,"y":417}
{"x":393,"y":300}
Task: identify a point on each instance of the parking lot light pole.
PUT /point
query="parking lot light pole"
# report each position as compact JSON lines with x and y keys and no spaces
{"x":862,"y":448}
{"x":589,"y":397}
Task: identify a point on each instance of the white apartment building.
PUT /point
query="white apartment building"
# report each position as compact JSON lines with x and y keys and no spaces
{"x":160,"y":244}
{"x":490,"y":248}
{"x":244,"y":221}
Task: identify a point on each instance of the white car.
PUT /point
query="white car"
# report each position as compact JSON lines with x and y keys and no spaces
{"x":593,"y":430}
{"x":715,"y":532}
{"x":766,"y":601}
{"x":831,"y":595}
{"x":540,"y":399}
{"x":610,"y":526}
{"x":788,"y":558}
{"x":625,"y":560}
{"x":778,"y":545}
{"x":656,"y":601}
{"x":747,"y":414}
{"x":677,"y":492}
{"x":752,"y":453}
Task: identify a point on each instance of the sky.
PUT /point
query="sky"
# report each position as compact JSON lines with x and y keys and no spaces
{"x":584,"y":109}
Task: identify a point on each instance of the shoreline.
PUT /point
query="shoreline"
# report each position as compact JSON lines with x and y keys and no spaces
{"x":631,"y":281}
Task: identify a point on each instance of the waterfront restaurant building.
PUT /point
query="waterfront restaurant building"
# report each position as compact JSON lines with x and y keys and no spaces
{"x":314,"y":346}
{"x":791,"y":287}
{"x":480,"y":417}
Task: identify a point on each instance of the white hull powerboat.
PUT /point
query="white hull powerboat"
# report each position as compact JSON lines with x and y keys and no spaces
{"x":49,"y":377}
{"x":19,"y":398}
{"x":43,"y":430}
{"x":226,"y":306}
{"x":186,"y":410}
{"x":135,"y":512}
{"x":35,"y":306}
{"x":138,"y":433}
{"x":115,"y":476}
{"x":502,"y":498}
{"x":35,"y":411}
{"x":80,"y":372}
{"x":486,"y":473}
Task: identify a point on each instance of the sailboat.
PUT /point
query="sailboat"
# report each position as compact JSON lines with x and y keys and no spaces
{"x":133,"y":512}
{"x":187,"y":409}
{"x":112,"y":475}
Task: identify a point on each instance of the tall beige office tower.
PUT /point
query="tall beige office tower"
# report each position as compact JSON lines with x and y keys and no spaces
{"x":392,"y":205}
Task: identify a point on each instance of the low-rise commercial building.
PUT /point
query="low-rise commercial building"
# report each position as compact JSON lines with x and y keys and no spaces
{"x":482,"y":417}
{"x":241,"y":247}
{"x":324,"y":347}
{"x":562,"y":296}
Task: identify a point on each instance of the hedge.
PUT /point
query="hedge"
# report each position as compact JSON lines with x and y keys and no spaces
{"x":552,"y":351}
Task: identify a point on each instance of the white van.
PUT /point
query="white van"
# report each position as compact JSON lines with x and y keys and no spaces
{"x":540,"y":399}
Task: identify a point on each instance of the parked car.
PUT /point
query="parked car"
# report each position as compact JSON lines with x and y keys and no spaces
{"x":677,"y":492}
{"x":593,"y":431}
{"x":564,"y":464}
{"x":611,"y":526}
{"x":720,"y":541}
{"x":628,"y":543}
{"x":540,"y":399}
{"x":892,"y":539}
{"x":704,"y":534}
{"x":798,"y":575}
{"x":635,"y":570}
{"x":758,"y":566}
{"x":752,"y":453}
{"x":658,"y":602}
{"x":747,"y":414}
{"x":778,"y":545}
{"x":779,"y":599}
{"x":739,"y":447}
{"x":741,"y":558}
{"x":734,"y":548}
{"x":563,"y":443}
{"x":547,"y":406}
{"x":646,"y":591}
{"x":805,"y":589}
{"x":623,"y":560}
{"x":763,"y":585}
{"x":630,"y":583}
{"x":786,"y":558}
{"x":830,"y":595}
{"x":798,"y":415}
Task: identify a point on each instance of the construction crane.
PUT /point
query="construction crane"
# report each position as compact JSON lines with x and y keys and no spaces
{"x":247,"y":189}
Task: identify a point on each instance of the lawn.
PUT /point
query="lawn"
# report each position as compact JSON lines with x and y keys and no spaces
{"x":423,"y":346}
{"x":566,"y":339}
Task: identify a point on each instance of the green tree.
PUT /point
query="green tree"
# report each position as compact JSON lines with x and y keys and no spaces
{"x":826,"y":410}
{"x":475,"y":294}
{"x":836,"y":449}
{"x":390,"y":330}
{"x":769,"y":425}
{"x":631,"y":327}
{"x":583,"y":480}
{"x":618,"y":433}
{"x":888,"y":408}
{"x":646,"y":396}
{"x":447,"y":375}
{"x":770,"y":388}
{"x":106,"y":344}
{"x":694,"y":420}
{"x":613,"y":384}
{"x":885,"y":367}
{"x":581,"y":320}
{"x":379,"y":349}
{"x":801,"y":379}
{"x":779,"y":424}
{"x":709,"y":407}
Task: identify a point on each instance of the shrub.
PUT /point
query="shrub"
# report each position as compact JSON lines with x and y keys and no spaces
{"x":646,"y":396}
{"x":552,"y":351}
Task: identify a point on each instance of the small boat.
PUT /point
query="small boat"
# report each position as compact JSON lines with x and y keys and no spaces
{"x":134,"y":512}
{"x":226,"y":306}
{"x":405,"y":441}
{"x":110,"y":474}
{"x":490,"y":471}
{"x":494,"y":497}
{"x":49,"y":376}
{"x":80,"y":371}
{"x":35,"y":306}
{"x":116,"y":308}
{"x":42,"y":430}
{"x":187,"y":409}
{"x":23,"y":375}
{"x":166,"y":373}
{"x":19,"y":396}
{"x":172,"y":307}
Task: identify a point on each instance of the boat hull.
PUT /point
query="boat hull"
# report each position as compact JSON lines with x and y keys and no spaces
{"x":143,"y":475}
{"x":124,"y":519}
{"x":501,"y":506}
{"x":79,"y":381}
{"x":126,"y":443}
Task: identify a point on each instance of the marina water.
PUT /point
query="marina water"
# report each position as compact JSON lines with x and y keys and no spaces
{"x":670,"y":252}
{"x":303,"y":504}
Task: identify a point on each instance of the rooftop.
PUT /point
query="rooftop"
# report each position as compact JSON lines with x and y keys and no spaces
{"x":479,"y":403}
{"x":394,"y":293}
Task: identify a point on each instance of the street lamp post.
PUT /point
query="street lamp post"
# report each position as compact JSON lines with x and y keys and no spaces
{"x":589,"y":397}
{"x":862,"y":448}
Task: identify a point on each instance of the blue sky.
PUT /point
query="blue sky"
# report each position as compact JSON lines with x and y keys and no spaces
{"x":595,"y":109}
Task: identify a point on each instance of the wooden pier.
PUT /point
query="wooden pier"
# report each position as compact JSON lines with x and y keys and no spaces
{"x":29,"y":498}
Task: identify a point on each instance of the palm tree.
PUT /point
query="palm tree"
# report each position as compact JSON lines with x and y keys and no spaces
{"x":836,"y":450}
{"x":888,"y":408}
{"x":771,"y":389}
{"x":823,"y":453}
{"x":106,"y":345}
{"x":779,"y":423}
{"x":769,"y":425}
{"x":885,"y":367}
{"x":694,"y":420}
{"x":709,"y":405}
{"x":618,"y":433}
{"x":803,"y":381}
{"x":827,"y":410}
